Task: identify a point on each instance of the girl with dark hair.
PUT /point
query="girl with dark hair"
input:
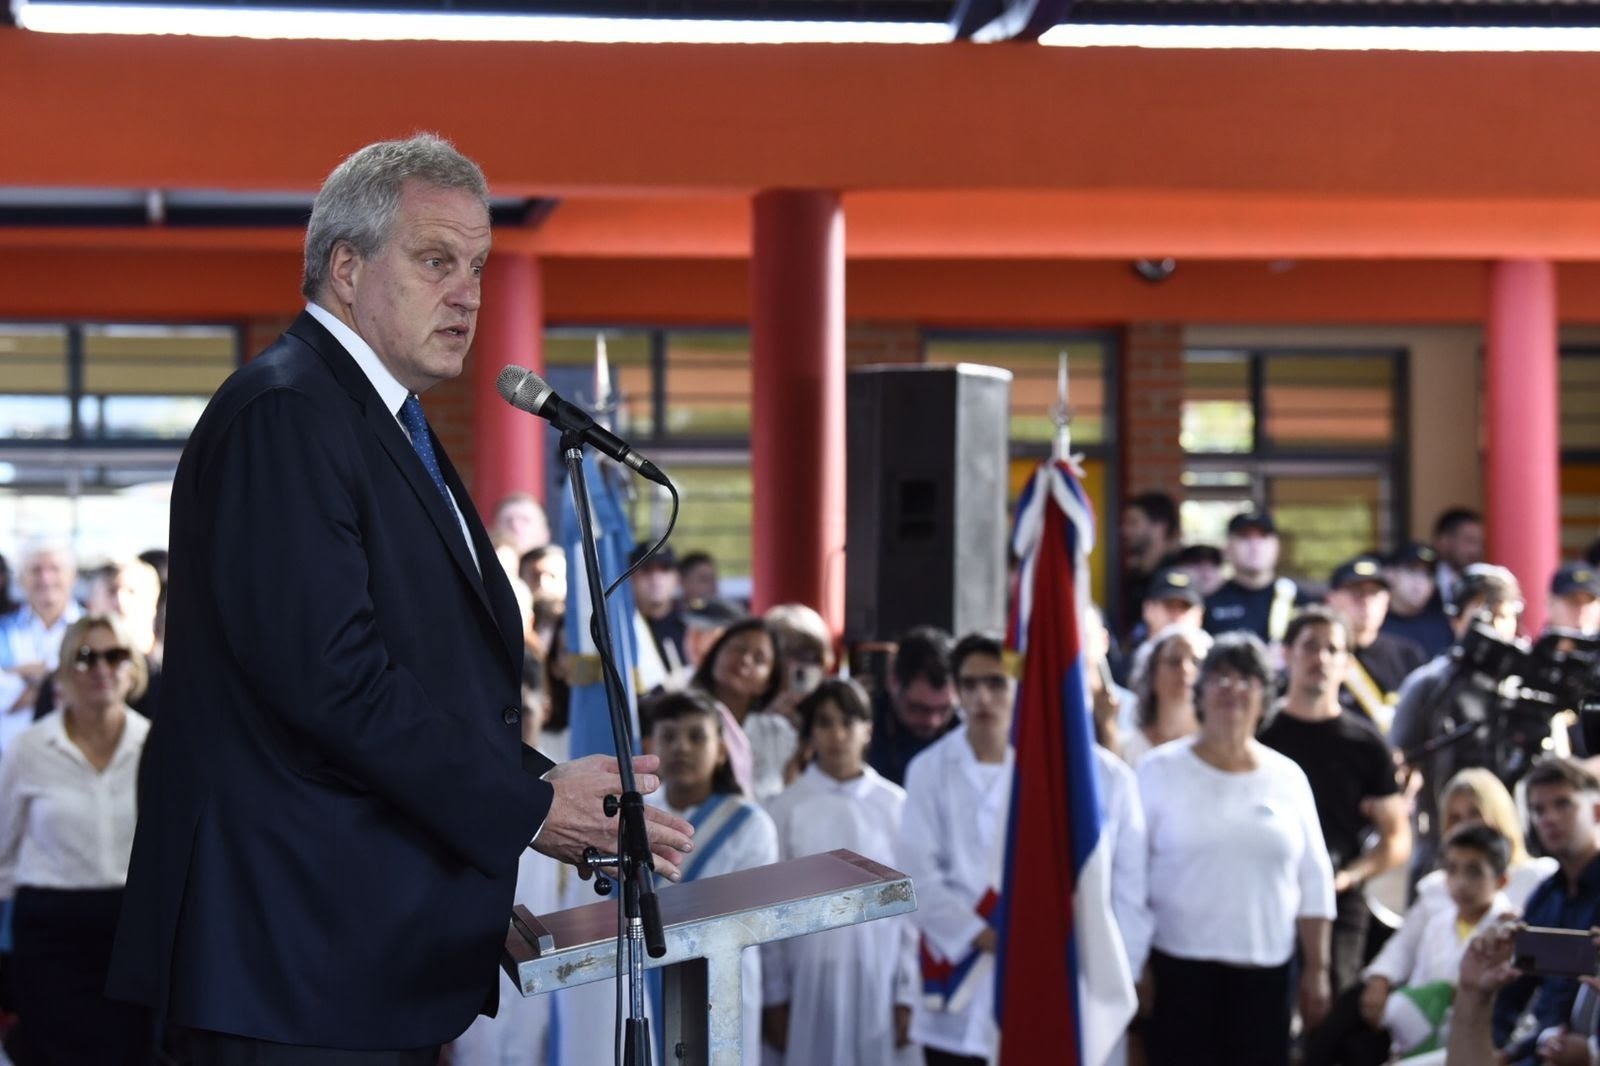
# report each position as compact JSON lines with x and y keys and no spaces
{"x":744,"y":673}
{"x":730,"y":832}
{"x":844,"y":995}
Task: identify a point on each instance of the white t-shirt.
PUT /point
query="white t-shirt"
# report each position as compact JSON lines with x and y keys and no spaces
{"x":1235,"y":858}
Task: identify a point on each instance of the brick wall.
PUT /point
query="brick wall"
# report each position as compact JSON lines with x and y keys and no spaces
{"x":1152,"y":408}
{"x":869,"y":343}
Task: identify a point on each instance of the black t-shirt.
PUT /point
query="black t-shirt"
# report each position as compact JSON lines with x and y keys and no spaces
{"x":1346,"y":762}
{"x":1389,"y":660}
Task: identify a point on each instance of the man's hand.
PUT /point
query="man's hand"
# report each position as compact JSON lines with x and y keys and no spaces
{"x":987,"y":940}
{"x":577,"y":817}
{"x":902,"y":1025}
{"x":1373,"y":997}
{"x":1563,"y":1048}
{"x":1486,"y":966}
{"x":1316,"y":996}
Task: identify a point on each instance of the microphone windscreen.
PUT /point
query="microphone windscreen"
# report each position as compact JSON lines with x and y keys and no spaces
{"x":522,"y":388}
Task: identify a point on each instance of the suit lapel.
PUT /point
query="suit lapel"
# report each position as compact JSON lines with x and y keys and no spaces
{"x":382,"y":424}
{"x":502,"y":602}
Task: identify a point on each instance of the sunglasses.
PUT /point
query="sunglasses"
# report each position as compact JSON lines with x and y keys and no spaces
{"x":86,"y":658}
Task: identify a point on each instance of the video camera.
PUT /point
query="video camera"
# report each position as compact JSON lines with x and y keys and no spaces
{"x":1526,"y":685}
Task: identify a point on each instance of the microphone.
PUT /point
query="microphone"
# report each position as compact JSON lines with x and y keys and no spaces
{"x":527,"y":391}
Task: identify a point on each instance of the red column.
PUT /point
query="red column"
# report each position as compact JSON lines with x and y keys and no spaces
{"x":1522,"y":472}
{"x":508,"y":443}
{"x":797,"y":407}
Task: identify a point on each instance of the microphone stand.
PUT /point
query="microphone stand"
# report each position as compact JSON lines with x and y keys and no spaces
{"x":634,"y":863}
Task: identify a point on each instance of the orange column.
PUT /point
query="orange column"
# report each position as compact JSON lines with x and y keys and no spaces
{"x":797,"y":406}
{"x":508,"y":444}
{"x":1522,"y":471}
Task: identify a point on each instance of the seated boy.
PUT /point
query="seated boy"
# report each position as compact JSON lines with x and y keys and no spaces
{"x":1410,"y":985}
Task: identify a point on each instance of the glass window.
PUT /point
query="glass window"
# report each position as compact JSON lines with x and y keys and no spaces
{"x":1580,"y":401}
{"x":1329,"y":400}
{"x":716,"y":513}
{"x":1218,"y":415}
{"x":632,"y":372}
{"x":1035,"y":364}
{"x":34,"y":382}
{"x":707,"y":383}
{"x":1326,"y":520}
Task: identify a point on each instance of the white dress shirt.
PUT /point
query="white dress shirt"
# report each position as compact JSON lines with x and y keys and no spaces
{"x":389,"y":389}
{"x":24,"y":638}
{"x":64,"y":824}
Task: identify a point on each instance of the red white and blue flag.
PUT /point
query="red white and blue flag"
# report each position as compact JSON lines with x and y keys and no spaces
{"x":1062,"y":976}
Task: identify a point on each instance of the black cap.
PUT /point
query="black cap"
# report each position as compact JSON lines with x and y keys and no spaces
{"x":1414,"y":554}
{"x":1248,"y":520}
{"x":1172,"y":583}
{"x":1364,"y":567}
{"x":1575,"y":577}
{"x":711,"y":614}
{"x":665,"y":557}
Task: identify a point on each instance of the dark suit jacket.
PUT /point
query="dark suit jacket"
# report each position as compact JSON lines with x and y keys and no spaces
{"x":335,"y":798}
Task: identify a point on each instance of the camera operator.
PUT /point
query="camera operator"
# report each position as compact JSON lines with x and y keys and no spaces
{"x":1440,"y":698}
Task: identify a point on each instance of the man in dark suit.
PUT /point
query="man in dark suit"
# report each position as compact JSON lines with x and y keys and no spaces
{"x":335,"y":800}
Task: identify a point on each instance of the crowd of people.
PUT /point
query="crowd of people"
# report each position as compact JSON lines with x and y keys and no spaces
{"x":1265,"y":755}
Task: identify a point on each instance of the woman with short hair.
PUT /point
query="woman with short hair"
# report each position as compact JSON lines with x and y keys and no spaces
{"x":1238,"y":870}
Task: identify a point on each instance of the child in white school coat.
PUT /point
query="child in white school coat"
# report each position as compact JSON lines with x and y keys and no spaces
{"x":731,"y":833}
{"x":842,"y":996}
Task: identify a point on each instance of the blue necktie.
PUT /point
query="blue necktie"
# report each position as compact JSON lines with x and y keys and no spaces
{"x":417,"y":426}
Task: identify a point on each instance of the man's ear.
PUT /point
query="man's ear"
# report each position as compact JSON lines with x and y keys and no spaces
{"x":344,"y":269}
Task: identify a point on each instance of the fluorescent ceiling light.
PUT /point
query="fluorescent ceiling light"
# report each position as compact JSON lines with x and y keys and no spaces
{"x":1334,"y":38}
{"x":440,"y":26}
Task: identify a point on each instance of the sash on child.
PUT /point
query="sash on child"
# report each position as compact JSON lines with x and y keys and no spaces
{"x":948,"y":984}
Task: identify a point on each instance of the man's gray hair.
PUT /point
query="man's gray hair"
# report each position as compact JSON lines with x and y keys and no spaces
{"x":358,"y":202}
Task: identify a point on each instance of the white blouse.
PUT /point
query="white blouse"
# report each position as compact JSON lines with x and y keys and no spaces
{"x":1235,"y":858}
{"x":64,"y":824}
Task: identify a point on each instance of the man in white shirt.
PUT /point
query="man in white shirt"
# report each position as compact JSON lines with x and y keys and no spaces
{"x":30,"y":637}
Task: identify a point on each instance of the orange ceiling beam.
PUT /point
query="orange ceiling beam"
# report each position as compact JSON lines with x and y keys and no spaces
{"x":184,"y":285}
{"x":991,"y":224}
{"x":175,"y":112}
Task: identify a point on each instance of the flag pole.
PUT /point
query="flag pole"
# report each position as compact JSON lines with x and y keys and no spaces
{"x":1061,"y":415}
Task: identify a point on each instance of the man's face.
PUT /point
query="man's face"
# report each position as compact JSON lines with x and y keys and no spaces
{"x":1462,"y":546}
{"x":1138,"y":532}
{"x":1502,"y":616}
{"x":547,"y":577}
{"x":1159,"y":614}
{"x":1364,"y":605}
{"x":1253,"y":551}
{"x":1317,"y":660}
{"x":524,"y":522}
{"x":1563,"y":818}
{"x":655,"y":586}
{"x":1410,"y":587}
{"x":132,"y":593}
{"x":924,"y":709}
{"x":986,"y":692}
{"x":47,"y":578}
{"x":700,"y":582}
{"x":416,"y":300}
{"x":1576,"y":610}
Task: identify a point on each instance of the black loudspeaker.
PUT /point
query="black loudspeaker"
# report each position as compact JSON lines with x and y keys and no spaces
{"x":925,"y":541}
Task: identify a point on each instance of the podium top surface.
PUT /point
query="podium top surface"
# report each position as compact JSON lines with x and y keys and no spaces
{"x":785,"y":899}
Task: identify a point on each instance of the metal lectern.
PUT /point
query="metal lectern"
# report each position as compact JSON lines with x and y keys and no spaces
{"x":707,"y":923}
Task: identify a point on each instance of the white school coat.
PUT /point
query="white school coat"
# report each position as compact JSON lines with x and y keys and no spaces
{"x":754,"y":843}
{"x":842,"y":985}
{"x":1423,"y":952}
{"x":952,"y":843}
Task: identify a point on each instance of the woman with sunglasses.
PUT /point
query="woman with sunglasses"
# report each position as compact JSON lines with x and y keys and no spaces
{"x":1238,"y":872}
{"x":67,"y":814}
